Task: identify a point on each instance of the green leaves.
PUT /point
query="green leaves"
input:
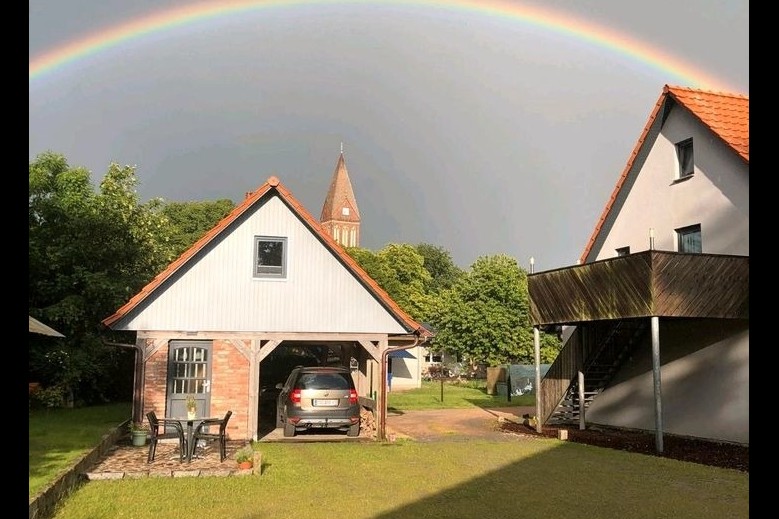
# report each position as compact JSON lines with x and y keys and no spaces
{"x":484,"y":317}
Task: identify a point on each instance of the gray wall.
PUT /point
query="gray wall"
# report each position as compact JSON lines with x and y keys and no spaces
{"x":704,"y":382}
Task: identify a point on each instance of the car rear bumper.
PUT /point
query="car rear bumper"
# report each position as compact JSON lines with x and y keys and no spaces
{"x":324,"y":423}
{"x":303,"y":419}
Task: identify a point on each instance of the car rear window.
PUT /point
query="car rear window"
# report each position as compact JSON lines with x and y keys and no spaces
{"x":322,"y":381}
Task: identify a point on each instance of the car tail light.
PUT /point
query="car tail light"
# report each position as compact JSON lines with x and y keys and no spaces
{"x":295,"y":396}
{"x":352,"y":397}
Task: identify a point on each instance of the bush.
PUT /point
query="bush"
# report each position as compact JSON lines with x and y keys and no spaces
{"x":49,"y":397}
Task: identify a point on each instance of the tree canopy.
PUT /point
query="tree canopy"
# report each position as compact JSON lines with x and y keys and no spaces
{"x":399,"y":270}
{"x":480,"y":315}
{"x":89,"y":252}
{"x":191,"y":220}
{"x":485,"y":315}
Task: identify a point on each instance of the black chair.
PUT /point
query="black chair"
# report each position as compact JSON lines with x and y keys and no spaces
{"x":162,"y":429}
{"x":203,"y":433}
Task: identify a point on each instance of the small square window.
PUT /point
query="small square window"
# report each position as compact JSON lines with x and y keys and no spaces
{"x":689,"y":239}
{"x":270,"y":257}
{"x":623,"y":251}
{"x":685,"y":156}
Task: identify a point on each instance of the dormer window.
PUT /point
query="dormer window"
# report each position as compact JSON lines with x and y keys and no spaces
{"x":345,"y":211}
{"x":685,"y":157}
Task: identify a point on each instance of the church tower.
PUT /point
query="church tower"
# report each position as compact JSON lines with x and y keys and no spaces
{"x":340,"y":217}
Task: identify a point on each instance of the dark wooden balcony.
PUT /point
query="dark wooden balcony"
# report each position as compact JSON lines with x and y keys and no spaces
{"x":608,"y":300}
{"x":645,"y":284}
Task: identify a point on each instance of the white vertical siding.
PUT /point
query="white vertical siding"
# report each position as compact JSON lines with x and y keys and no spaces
{"x":716,"y":197}
{"x":218,"y":292}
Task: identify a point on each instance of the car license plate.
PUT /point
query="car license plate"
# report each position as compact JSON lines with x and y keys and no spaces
{"x":325,"y":403}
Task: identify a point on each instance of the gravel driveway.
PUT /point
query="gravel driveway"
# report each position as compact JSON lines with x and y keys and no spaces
{"x":453,"y":424}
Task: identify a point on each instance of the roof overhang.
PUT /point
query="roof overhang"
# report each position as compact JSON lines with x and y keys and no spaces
{"x":38,"y":327}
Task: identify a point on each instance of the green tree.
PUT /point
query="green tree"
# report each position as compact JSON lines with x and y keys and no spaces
{"x":399,"y":270}
{"x":485,"y":316}
{"x":89,"y":252}
{"x":438,"y":262}
{"x":191,"y":220}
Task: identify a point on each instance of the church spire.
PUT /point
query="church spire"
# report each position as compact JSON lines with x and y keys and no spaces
{"x":340,"y":216}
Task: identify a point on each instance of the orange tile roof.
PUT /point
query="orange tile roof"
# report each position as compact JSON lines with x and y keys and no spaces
{"x":273,"y":184}
{"x":725,"y":114}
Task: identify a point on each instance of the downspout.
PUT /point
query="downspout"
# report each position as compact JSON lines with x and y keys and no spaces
{"x":382,"y":432}
{"x":138,"y":374}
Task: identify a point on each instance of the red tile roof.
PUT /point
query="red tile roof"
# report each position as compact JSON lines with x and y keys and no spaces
{"x":725,"y":114}
{"x":273,"y":184}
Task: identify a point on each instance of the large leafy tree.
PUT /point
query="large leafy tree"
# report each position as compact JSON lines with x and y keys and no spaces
{"x":485,"y":316}
{"x":191,"y":220}
{"x":89,"y":252}
{"x":439,"y":264}
{"x":399,"y":270}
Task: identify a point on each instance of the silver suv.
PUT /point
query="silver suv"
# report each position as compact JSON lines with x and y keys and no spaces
{"x":318,"y":397}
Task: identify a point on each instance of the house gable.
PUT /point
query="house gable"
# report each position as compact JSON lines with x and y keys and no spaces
{"x":211,"y":287}
{"x":648,"y":196}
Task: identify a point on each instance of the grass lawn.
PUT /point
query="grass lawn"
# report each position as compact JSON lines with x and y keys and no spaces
{"x":451,"y":394}
{"x":541,"y":477}
{"x":59,"y":437}
{"x":537,"y":478}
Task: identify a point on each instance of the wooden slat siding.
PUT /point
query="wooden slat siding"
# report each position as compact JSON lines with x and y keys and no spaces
{"x":661,"y":283}
{"x":696,"y":285}
{"x":557,"y":379}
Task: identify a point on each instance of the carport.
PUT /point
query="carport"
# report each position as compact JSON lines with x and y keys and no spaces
{"x":370,"y":353}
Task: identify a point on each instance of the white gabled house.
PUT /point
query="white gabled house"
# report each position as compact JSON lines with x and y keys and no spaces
{"x":267,"y":275}
{"x":658,"y":308}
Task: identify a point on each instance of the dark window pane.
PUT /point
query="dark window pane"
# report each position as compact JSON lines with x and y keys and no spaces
{"x":686,"y":162}
{"x":270,"y":257}
{"x":690,"y":239}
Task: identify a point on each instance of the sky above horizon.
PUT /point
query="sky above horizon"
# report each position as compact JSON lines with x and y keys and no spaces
{"x":481,"y":127}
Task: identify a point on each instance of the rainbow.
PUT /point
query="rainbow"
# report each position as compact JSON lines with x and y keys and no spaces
{"x":556,"y":21}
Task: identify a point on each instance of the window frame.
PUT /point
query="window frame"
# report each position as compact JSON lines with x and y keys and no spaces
{"x":272,"y":271}
{"x":682,"y":235}
{"x":685,"y":158}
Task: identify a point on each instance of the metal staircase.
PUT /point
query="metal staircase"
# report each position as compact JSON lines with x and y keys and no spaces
{"x":599,"y":368}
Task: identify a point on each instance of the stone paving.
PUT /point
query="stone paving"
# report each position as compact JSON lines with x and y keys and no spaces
{"x":124,"y":460}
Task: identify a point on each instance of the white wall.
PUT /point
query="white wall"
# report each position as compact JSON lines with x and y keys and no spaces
{"x":704,"y":383}
{"x":217,"y":292}
{"x":716,"y":196}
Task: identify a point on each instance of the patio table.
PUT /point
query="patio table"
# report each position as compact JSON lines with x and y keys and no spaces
{"x":190,"y":425}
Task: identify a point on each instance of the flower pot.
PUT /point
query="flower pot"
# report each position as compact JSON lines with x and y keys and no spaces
{"x":245,"y":465}
{"x":191,"y":415}
{"x":139,"y":438}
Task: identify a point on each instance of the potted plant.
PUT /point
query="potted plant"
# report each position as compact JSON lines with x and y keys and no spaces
{"x":191,"y":407}
{"x":138,"y":433}
{"x":245,"y":457}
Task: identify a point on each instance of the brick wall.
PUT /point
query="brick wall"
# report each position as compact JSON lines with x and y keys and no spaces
{"x":229,"y":386}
